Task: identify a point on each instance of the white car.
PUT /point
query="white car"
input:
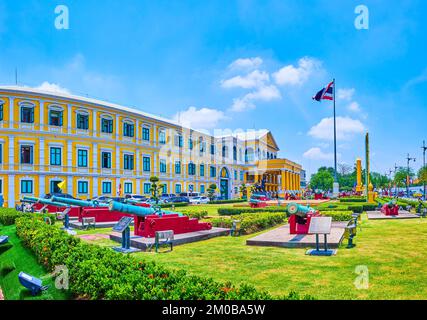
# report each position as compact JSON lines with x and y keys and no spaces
{"x":199,"y":200}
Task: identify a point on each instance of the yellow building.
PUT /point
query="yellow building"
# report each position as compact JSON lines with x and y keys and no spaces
{"x":100,"y":147}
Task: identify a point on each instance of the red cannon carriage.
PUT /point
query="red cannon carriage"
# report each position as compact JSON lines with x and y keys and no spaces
{"x":299,"y":221}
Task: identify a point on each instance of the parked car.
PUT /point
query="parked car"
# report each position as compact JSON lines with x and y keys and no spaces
{"x":102,"y":199}
{"x":189,"y":194}
{"x":59,"y":195}
{"x":119,"y":199}
{"x":136,"y":197}
{"x":199,"y":200}
{"x":166,"y":197}
{"x":179,"y":199}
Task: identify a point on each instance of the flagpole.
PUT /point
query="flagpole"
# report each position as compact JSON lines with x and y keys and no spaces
{"x":335,"y":138}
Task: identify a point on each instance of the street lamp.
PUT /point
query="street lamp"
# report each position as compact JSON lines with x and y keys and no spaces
{"x":424,"y":165}
{"x":408,"y":158}
{"x":395,"y":182}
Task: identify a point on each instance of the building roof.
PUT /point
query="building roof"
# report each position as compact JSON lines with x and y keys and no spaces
{"x":244,"y":135}
{"x":65,"y":95}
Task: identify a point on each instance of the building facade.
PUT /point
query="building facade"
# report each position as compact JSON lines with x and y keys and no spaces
{"x":100,"y":148}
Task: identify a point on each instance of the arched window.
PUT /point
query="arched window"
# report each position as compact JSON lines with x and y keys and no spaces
{"x":234,"y":153}
{"x":249,"y":155}
{"x":268,"y":155}
{"x":224,"y":173}
{"x":224,"y":151}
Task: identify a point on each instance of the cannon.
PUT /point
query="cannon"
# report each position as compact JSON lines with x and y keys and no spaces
{"x":299,"y":221}
{"x":390,"y":208}
{"x":41,"y":204}
{"x":148,"y":220}
{"x":79,"y":203}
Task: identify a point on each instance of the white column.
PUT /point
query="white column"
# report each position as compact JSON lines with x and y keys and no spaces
{"x":117,"y":126}
{"x":138,"y":186}
{"x":11,"y":191}
{"x":69,"y":110}
{"x":41,"y":155}
{"x":41,"y":114}
{"x":138,"y":165}
{"x":94,"y":122}
{"x":155,"y":157}
{"x":137,"y":131}
{"x":95,"y":157}
{"x":42,"y":185}
{"x":117,"y":160}
{"x":11,"y":107}
{"x":69,"y":155}
{"x":12,"y":153}
{"x":154,"y":135}
{"x":95,"y":168}
{"x":95,"y":186}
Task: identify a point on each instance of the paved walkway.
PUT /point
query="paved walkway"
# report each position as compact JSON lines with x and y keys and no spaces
{"x":281,"y":237}
{"x":378,"y":215}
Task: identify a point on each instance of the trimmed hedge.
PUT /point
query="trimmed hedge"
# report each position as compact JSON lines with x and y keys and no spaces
{"x":338,"y":215}
{"x":353,"y":199}
{"x":237,"y":211}
{"x":8,"y":216}
{"x":100,"y":273}
{"x":227,"y":201}
{"x":198,"y":214}
{"x":176,"y":205}
{"x":251,"y":222}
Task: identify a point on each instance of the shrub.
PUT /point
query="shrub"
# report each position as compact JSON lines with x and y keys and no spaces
{"x":176,"y":205}
{"x":9,"y":215}
{"x":198,"y":214}
{"x":237,"y":211}
{"x":251,"y":222}
{"x":100,"y":273}
{"x":353,"y":199}
{"x":227,"y":201}
{"x":338,"y":215}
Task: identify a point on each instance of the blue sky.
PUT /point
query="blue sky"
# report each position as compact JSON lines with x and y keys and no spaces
{"x":239,"y":65}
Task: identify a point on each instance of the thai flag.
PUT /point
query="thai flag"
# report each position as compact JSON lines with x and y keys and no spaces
{"x":326,"y":93}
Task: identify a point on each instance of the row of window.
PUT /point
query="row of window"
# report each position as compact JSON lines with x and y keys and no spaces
{"x":128,"y":161}
{"x":107,"y":126}
{"x":27,"y":187}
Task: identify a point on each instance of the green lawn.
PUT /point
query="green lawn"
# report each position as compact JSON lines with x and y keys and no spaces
{"x":212,"y":209}
{"x":23,"y":260}
{"x":393,"y":251}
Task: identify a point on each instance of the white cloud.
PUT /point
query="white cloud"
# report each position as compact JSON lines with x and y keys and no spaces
{"x":242,"y":104}
{"x":346,"y":128}
{"x":345,"y":94}
{"x":254,"y":79}
{"x":246,"y":63}
{"x":204,"y":118}
{"x":264,"y":93}
{"x":354,"y":107}
{"x":317,"y":154}
{"x":52,"y":87}
{"x":291,"y":75}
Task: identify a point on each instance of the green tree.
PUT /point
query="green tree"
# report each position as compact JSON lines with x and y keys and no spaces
{"x":156,"y":189}
{"x":400,"y":176}
{"x":323,"y":179}
{"x":211,"y":191}
{"x":422,"y":174}
{"x":242,"y":189}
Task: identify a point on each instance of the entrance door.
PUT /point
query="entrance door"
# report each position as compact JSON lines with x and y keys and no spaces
{"x":224,"y":188}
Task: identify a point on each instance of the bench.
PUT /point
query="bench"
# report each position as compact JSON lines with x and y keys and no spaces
{"x":350,"y":232}
{"x":236,"y":228}
{"x":164,"y":238}
{"x":88,"y":222}
{"x":31,"y":283}
{"x":4,"y":239}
